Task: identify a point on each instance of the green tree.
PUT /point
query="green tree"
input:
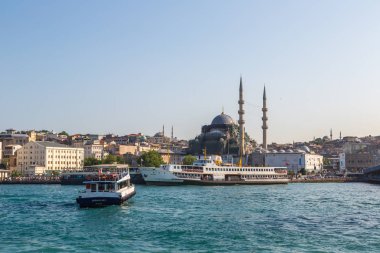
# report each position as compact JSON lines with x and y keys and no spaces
{"x":63,"y":133}
{"x":113,"y":159}
{"x":303,"y":171}
{"x":150,"y":159}
{"x":15,"y":173}
{"x":55,"y":173}
{"x":91,"y":161}
{"x":188,"y":160}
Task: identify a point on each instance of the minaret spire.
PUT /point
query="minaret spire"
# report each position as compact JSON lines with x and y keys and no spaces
{"x":172,"y":134}
{"x":265,"y":119}
{"x":331,"y":134}
{"x":241,"y":120}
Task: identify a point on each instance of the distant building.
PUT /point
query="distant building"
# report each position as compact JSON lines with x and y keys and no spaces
{"x":171,"y":157}
{"x":50,"y":155}
{"x":10,"y":150}
{"x":128,"y":149}
{"x":11,"y":138}
{"x":94,"y":150}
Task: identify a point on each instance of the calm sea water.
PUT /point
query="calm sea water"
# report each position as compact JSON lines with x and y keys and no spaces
{"x":289,"y":218}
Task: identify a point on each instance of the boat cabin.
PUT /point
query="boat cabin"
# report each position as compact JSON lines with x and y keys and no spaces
{"x":203,"y":162}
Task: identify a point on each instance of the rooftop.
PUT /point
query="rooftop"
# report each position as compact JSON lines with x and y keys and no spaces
{"x":50,"y":144}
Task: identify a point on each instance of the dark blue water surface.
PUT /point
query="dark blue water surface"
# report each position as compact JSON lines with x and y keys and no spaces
{"x":283,"y":218}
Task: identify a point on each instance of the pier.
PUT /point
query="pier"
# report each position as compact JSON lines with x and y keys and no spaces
{"x":31,"y":180}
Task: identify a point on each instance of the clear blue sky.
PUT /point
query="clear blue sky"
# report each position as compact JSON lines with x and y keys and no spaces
{"x":132,"y":66}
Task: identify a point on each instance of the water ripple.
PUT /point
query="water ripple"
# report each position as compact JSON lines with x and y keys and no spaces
{"x":288,"y":218}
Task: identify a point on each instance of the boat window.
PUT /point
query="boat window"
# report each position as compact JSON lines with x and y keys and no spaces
{"x":101,"y":188}
{"x":111,"y":187}
{"x":93,"y":187}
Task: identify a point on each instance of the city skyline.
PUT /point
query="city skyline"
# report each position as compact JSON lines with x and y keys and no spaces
{"x":131,"y":67}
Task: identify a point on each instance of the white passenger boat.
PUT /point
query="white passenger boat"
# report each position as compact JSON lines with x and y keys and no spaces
{"x":106,"y":189}
{"x":206,"y":172}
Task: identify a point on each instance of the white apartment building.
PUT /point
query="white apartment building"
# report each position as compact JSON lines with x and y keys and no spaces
{"x":295,"y":161}
{"x":94,"y":150}
{"x":51,"y":155}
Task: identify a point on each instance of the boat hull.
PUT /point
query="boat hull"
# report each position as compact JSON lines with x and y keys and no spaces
{"x":217,"y":182}
{"x":103,"y":201}
{"x":164,"y":183}
{"x":221,"y":182}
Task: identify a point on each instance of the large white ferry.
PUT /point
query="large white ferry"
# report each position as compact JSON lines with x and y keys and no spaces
{"x":106,"y":189}
{"x":206,"y":172}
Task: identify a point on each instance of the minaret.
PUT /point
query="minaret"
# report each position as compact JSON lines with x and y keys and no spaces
{"x":331,"y":134}
{"x":340,"y":135}
{"x":265,"y":119}
{"x":163,"y":130}
{"x":172,"y":134}
{"x":241,"y":120}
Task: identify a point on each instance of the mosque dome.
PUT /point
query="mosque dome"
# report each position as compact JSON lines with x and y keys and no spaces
{"x":222,"y":119}
{"x":159,"y":134}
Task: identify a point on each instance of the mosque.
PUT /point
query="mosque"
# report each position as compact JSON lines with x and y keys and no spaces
{"x":222,"y":136}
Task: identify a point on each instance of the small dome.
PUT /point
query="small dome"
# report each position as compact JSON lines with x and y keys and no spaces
{"x":306,"y":149}
{"x":222,"y":119}
{"x":214,"y":135}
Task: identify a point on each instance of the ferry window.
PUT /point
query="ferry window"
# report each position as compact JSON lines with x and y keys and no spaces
{"x":101,"y":187}
{"x":93,"y":187}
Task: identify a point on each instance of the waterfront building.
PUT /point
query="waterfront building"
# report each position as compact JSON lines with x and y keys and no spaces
{"x":1,"y":151}
{"x":357,"y":162}
{"x":4,"y":174}
{"x":294,"y":160}
{"x":53,"y":156}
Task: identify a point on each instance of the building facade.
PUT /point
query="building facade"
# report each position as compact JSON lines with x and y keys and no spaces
{"x":94,"y":151}
{"x":295,"y":161}
{"x":53,"y":156}
{"x":357,"y":162}
{"x":10,"y":150}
